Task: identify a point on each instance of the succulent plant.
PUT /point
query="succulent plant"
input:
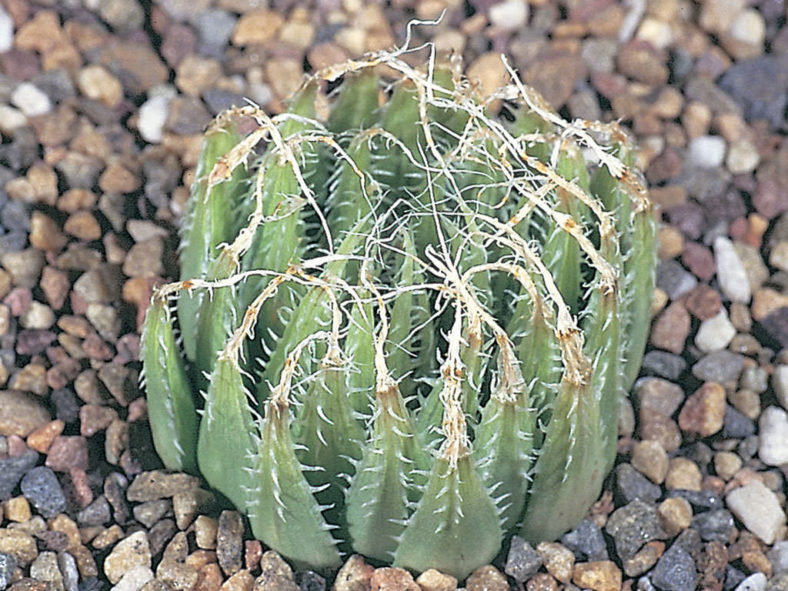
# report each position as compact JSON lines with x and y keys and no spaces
{"x":406,"y":322}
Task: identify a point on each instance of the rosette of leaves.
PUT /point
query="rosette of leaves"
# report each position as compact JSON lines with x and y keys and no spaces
{"x":404,"y":323}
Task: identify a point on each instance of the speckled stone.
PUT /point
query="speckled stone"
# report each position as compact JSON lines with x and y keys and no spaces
{"x":133,"y":551}
{"x":229,"y":542}
{"x":522,"y":561}
{"x":633,"y":525}
{"x":41,"y":487}
{"x":398,"y":579}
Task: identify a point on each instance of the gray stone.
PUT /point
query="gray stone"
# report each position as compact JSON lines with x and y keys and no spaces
{"x":587,"y":542}
{"x":41,"y":488}
{"x":769,"y":74}
{"x":7,"y":566}
{"x":45,"y":568}
{"x":714,"y":526}
{"x":632,"y":526}
{"x":229,"y":542}
{"x":522,"y":560}
{"x":675,"y":571}
{"x":631,"y":485}
{"x":12,"y":469}
{"x":719,"y":366}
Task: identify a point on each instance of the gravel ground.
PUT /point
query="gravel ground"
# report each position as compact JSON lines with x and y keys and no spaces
{"x":102,"y":103}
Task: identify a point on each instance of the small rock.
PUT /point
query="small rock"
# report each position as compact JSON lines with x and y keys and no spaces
{"x":706,"y":151}
{"x":98,"y":84}
{"x":45,"y":568}
{"x":664,"y":364}
{"x":654,"y":426}
{"x":522,"y":560}
{"x":354,"y":575}
{"x":704,"y":411}
{"x":773,"y":436}
{"x":205,"y":529}
{"x":558,"y":561}
{"x":134,"y":579}
{"x":758,"y":509}
{"x":755,"y":582}
{"x":714,"y":526}
{"x":186,"y":505}
{"x":229,"y":542}
{"x":41,"y":487}
{"x":644,"y":559}
{"x":154,"y":485}
{"x":17,"y":509}
{"x":726,"y":464}
{"x":731,"y":273}
{"x":649,"y":458}
{"x":671,"y":328}
{"x":683,"y":474}
{"x":675,"y":571}
{"x":398,"y":579}
{"x":12,"y":469}
{"x":433,"y":580}
{"x":674,"y":280}
{"x":659,"y":395}
{"x":144,"y":259}
{"x":31,"y":100}
{"x":509,"y":15}
{"x":715,"y":333}
{"x":675,"y":515}
{"x":133,"y":551}
{"x":586,"y":541}
{"x":722,"y":367}
{"x":256,"y":27}
{"x":7,"y":562}
{"x":19,"y":544}
{"x":632,"y":526}
{"x":152,"y":117}
{"x":67,"y":452}
{"x":770,"y":75}
{"x":21,"y":413}
{"x":600,"y":576}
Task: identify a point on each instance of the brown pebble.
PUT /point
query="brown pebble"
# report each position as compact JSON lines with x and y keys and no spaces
{"x":712,"y":565}
{"x":94,"y":418}
{"x":83,"y":225}
{"x":558,"y":560}
{"x":602,"y":575}
{"x":253,"y":549}
{"x":68,"y":452}
{"x":699,"y":260}
{"x":541,"y":582}
{"x":671,"y":328}
{"x":17,"y":509}
{"x":644,"y":559}
{"x":654,"y":425}
{"x":675,"y":515}
{"x":156,"y":484}
{"x":243,"y":580}
{"x":209,"y":578}
{"x":649,"y":458}
{"x":42,"y":438}
{"x":45,"y":233}
{"x":684,"y":474}
{"x":21,"y":413}
{"x":392,"y":579}
{"x":704,"y":411}
{"x":354,"y":575}
{"x":434,"y":580}
{"x":703,"y":302}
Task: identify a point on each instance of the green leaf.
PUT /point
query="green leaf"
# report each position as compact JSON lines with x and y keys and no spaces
{"x":283,"y":512}
{"x":455,"y":527}
{"x":173,"y":418}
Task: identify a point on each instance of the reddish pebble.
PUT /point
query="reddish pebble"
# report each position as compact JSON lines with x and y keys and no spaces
{"x":703,"y":302}
{"x":699,"y":260}
{"x":253,"y":550}
{"x":704,"y":411}
{"x":671,"y":328}
{"x":67,"y":452}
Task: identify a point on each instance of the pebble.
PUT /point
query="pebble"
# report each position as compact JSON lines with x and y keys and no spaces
{"x":154,"y":485}
{"x":769,"y":74}
{"x":431,"y":580}
{"x":675,"y":570}
{"x":633,"y":525}
{"x":558,"y":560}
{"x":714,"y":526}
{"x":704,"y":411}
{"x":97,"y":513}
{"x":758,"y":509}
{"x":773,"y":436}
{"x":12,"y":469}
{"x":19,"y":544}
{"x":45,"y":568}
{"x":778,"y":556}
{"x":715,"y":333}
{"x":731,"y":273}
{"x":631,"y":485}
{"x":706,"y":151}
{"x":683,"y":474}
{"x":650,"y":459}
{"x":130,"y":552}
{"x":229,"y":542}
{"x":671,"y":328}
{"x":509,"y":15}
{"x":17,"y":509}
{"x":658,"y":427}
{"x":722,"y":367}
{"x":659,"y":395}
{"x":6,"y":42}
{"x":134,"y":579}
{"x":186,"y":505}
{"x":41,"y":487}
{"x":31,"y":100}
{"x":675,"y":515}
{"x":522,"y":560}
{"x":667,"y":365}
{"x":21,"y":413}
{"x":7,"y":567}
{"x":586,"y":541}
{"x":240,"y":581}
{"x":601,"y":575}
{"x":152,"y":117}
{"x":726,"y":464}
{"x":755,"y":582}
{"x":398,"y":579}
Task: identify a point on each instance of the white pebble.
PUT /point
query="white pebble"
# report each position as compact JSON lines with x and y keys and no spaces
{"x":509,"y":15}
{"x":6,"y":30}
{"x":11,"y":119}
{"x":730,"y":271}
{"x":134,"y":579}
{"x":715,"y":333}
{"x":773,"y":436}
{"x":31,"y":100}
{"x":758,"y":509}
{"x":742,"y":157}
{"x":755,"y":582}
{"x":780,"y":384}
{"x":749,"y":27}
{"x":706,"y":151}
{"x":153,"y":116}
{"x":656,"y":32}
